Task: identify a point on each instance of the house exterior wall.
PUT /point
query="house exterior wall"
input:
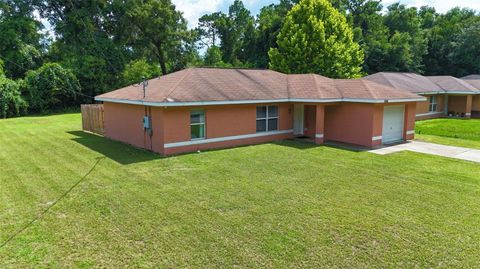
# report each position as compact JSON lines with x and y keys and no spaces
{"x":476,"y":106}
{"x":235,"y":125}
{"x":422,"y":108}
{"x":222,"y":122}
{"x":310,"y":114}
{"x":351,"y":123}
{"x":123,"y":122}
{"x":362,"y":124}
{"x":459,"y":103}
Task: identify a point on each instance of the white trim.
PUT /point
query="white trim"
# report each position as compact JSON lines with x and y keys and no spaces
{"x":459,"y":92}
{"x":318,"y":135}
{"x":236,"y":102}
{"x":407,"y":100}
{"x":447,"y":92}
{"x":429,"y":114}
{"x":410,"y":132}
{"x":468,"y":114}
{"x":375,"y":138}
{"x":226,"y":138}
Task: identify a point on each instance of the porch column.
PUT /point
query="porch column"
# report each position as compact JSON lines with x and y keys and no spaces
{"x":409,"y":121}
{"x":445,"y":105}
{"x":319,"y":123}
{"x":468,"y":108}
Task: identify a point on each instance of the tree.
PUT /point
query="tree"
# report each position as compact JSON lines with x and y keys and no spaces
{"x":213,"y":57}
{"x":466,"y":51}
{"x":442,"y":37}
{"x":138,"y":70}
{"x":87,"y":42}
{"x":49,"y":87}
{"x":160,"y":27}
{"x":316,"y":38}
{"x":405,"y":25}
{"x":236,"y":31}
{"x":208,"y":28}
{"x":270,"y":21}
{"x":20,"y":38}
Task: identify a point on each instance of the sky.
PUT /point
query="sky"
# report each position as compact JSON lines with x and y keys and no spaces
{"x":194,"y":9}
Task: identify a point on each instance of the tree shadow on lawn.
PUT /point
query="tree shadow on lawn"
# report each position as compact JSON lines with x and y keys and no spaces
{"x":120,"y":152}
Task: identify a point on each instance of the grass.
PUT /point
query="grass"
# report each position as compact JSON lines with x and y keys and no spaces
{"x":455,"y":132}
{"x":275,"y":205}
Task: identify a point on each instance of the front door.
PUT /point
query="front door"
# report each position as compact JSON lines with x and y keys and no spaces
{"x":298,"y":116}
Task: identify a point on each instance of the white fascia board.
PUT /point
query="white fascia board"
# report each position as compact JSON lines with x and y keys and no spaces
{"x":434,"y":92}
{"x":462,"y":93}
{"x":408,"y":100}
{"x":226,"y":138}
{"x":207,"y":103}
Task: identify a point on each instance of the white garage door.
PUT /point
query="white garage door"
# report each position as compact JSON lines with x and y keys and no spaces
{"x":392,"y":124}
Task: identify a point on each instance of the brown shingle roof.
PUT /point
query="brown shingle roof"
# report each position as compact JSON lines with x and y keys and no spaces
{"x":405,"y":81}
{"x":366,"y":89}
{"x":474,"y":76}
{"x":452,"y":84}
{"x":473,"y":80}
{"x":236,"y":85}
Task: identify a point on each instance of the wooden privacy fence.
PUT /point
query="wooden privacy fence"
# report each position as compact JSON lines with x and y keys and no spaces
{"x":92,"y":118}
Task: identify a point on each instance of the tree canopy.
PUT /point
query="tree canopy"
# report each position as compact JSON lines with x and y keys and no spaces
{"x":316,"y":38}
{"x":98,"y":46}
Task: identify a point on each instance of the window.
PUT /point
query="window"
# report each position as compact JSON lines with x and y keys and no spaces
{"x":433,"y":104}
{"x":267,"y":118}
{"x":197,"y":124}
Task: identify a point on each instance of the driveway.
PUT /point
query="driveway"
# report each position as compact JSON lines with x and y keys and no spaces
{"x":433,"y":149}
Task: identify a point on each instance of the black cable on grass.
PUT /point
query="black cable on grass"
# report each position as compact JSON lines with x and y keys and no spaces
{"x":39,"y":216}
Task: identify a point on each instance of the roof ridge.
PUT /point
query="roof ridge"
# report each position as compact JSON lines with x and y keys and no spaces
{"x":367,"y":86}
{"x":189,"y":70}
{"x":388,"y":81}
{"x":316,"y":85}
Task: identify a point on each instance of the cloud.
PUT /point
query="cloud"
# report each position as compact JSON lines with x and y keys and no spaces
{"x":194,"y":9}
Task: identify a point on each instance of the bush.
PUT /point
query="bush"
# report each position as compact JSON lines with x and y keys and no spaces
{"x":11,"y":101}
{"x":49,"y":87}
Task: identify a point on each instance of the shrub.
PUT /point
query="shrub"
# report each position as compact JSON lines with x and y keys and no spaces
{"x":11,"y":101}
{"x":50,"y":86}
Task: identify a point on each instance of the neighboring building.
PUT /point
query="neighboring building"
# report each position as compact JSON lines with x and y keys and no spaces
{"x":446,"y":95}
{"x":474,"y":80}
{"x":205,"y":108}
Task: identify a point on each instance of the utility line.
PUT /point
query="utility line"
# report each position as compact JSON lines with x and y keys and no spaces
{"x":39,"y":216}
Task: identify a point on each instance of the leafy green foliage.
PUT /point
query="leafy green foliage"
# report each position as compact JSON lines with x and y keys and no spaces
{"x":11,"y":101}
{"x":138,"y":70}
{"x":159,"y":26}
{"x":49,"y":87}
{"x":316,"y":38}
{"x":20,"y":37}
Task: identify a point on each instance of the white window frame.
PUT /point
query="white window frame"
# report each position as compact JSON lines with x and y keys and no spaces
{"x":199,"y":123}
{"x":266,"y":118}
{"x":432,"y":106}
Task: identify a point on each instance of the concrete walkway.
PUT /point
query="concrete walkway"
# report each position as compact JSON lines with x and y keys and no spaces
{"x":434,"y":149}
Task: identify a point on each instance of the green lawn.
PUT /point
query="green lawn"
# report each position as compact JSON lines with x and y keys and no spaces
{"x":274,"y":205}
{"x":455,"y":132}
